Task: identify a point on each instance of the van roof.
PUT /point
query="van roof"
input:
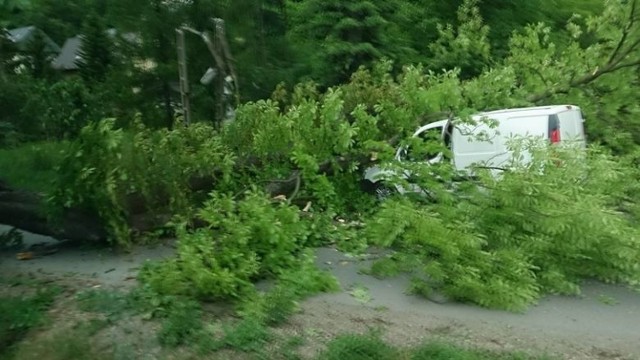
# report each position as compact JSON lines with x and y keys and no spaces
{"x":524,"y":111}
{"x":441,"y":123}
{"x":536,"y":110}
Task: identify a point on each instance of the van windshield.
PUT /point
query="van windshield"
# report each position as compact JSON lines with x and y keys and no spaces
{"x":426,"y":147}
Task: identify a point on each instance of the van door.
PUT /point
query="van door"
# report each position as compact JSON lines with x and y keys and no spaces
{"x":571,"y":126}
{"x":473,"y":144}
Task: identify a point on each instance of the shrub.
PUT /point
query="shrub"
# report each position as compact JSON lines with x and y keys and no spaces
{"x":182,"y":324}
{"x":358,"y":347}
{"x":244,"y":240}
{"x":114,"y":174}
{"x":247,"y":335}
{"x":275,"y":306}
{"x":540,"y":228}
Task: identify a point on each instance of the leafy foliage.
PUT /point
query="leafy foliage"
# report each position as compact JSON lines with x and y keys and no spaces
{"x":243,"y":241}
{"x":96,"y":50}
{"x":505,"y":242}
{"x":362,"y":34}
{"x":182,"y":324}
{"x":59,"y":111}
{"x":467,"y":48}
{"x":276,"y":305}
{"x":106,"y":168}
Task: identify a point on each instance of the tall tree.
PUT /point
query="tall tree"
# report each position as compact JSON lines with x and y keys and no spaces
{"x":257,"y":35}
{"x":96,"y":50}
{"x":11,"y":12}
{"x":347,"y":34}
{"x":38,"y":55}
{"x":7,"y":50}
{"x":465,"y":47}
{"x":154,"y":21}
{"x":58,"y":19}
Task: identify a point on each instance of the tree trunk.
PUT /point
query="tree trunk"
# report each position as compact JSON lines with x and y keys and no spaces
{"x":24,"y":210}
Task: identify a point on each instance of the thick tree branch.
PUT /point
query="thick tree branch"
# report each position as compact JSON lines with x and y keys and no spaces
{"x":625,"y":33}
{"x":617,"y":60}
{"x":583,"y":80}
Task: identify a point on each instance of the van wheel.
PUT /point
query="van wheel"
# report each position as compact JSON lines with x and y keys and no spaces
{"x":382,"y":191}
{"x":378,"y":189}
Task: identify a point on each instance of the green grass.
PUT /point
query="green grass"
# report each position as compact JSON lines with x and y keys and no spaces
{"x":112,"y":304}
{"x":359,"y":347}
{"x":65,"y":344}
{"x":182,"y":325}
{"x":441,"y":351}
{"x":19,"y":314}
{"x":371,"y":347}
{"x":31,"y":166}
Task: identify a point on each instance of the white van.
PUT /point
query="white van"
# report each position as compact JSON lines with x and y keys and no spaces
{"x":485,"y":141}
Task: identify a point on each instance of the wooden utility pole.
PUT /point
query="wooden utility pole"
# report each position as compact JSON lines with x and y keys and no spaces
{"x":184,"y":78}
{"x":223,"y":64}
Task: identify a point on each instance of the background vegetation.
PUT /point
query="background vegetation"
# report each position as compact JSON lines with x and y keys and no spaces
{"x":329,"y":88}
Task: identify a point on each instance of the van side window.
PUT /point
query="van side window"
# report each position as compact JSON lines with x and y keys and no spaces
{"x":447,"y":136}
{"x":432,"y":138}
{"x":554,"y":129}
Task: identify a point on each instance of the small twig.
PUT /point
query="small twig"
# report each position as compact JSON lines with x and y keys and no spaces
{"x":297,"y":188}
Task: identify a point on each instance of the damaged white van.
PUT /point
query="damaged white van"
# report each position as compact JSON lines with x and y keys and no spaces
{"x":485,"y":141}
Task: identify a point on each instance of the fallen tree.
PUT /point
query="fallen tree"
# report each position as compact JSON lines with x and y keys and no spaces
{"x":26,"y":211}
{"x":309,"y":145}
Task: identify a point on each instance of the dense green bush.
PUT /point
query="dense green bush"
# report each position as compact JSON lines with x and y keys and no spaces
{"x":243,"y":240}
{"x":540,"y":228}
{"x":281,"y":301}
{"x":116,"y":173}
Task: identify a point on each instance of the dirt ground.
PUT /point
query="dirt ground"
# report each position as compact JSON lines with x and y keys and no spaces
{"x":602,"y":323}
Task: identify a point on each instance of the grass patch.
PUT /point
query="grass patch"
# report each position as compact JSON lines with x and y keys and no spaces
{"x":93,"y":326}
{"x":441,"y":351}
{"x":272,"y":308}
{"x":359,"y":347}
{"x":248,"y":335}
{"x":183,"y":324}
{"x":110,"y":303}
{"x":31,"y":166}
{"x":371,"y":347}
{"x":63,"y":345}
{"x":20,"y":314}
{"x":361,"y":294}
